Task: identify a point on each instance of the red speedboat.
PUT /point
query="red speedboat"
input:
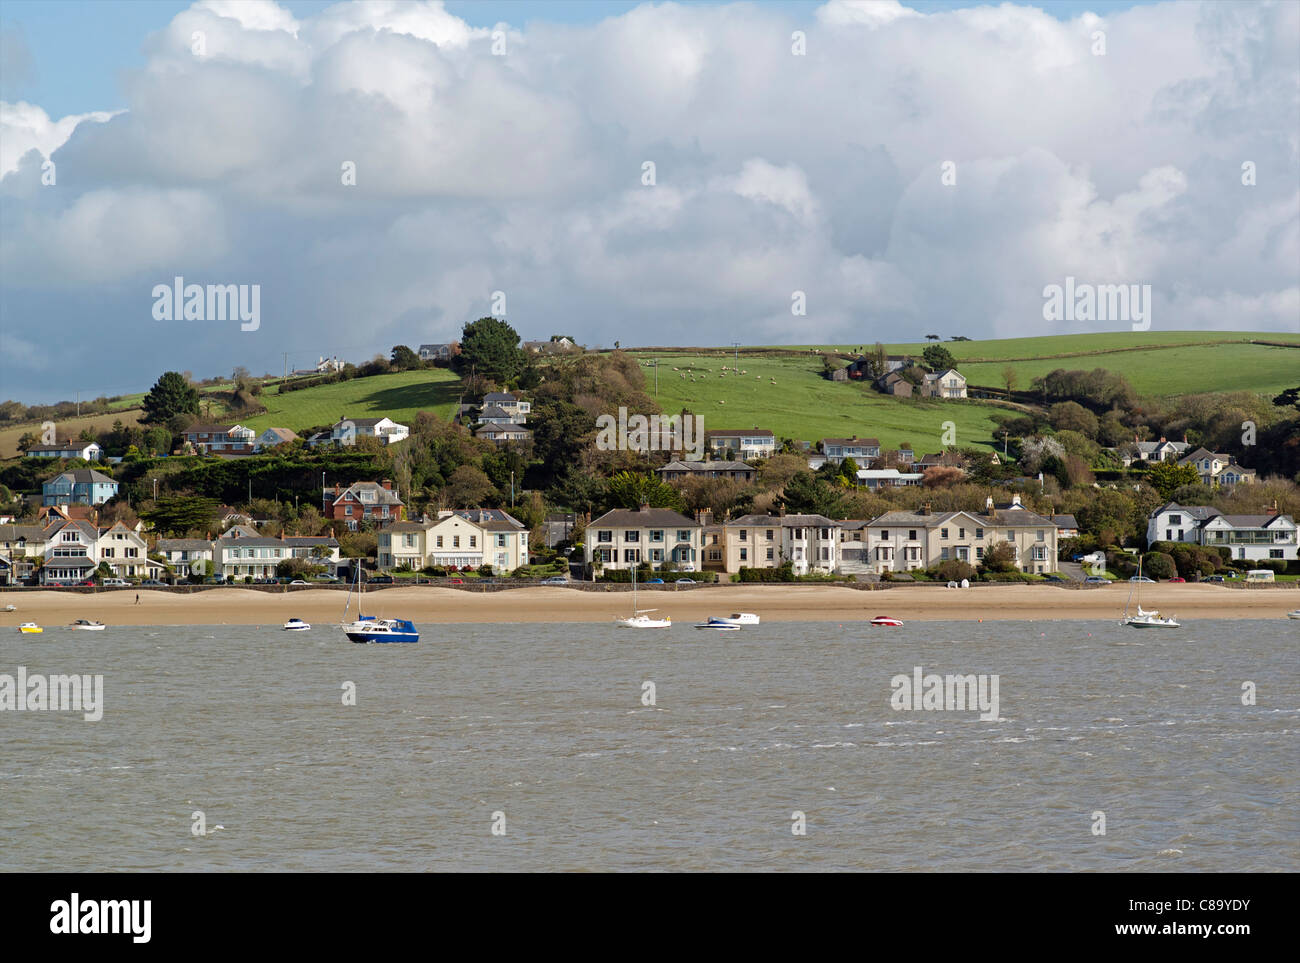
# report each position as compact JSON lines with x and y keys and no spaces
{"x":886,"y":620}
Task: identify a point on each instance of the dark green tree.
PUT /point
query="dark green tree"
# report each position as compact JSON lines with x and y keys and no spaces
{"x":1167,"y":477}
{"x":805,"y":494}
{"x":170,"y":395}
{"x":938,"y":358}
{"x":404,"y":359}
{"x":490,"y":348}
{"x":178,"y":514}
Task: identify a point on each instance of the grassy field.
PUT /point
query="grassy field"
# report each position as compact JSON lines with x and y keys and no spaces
{"x":1156,"y":363}
{"x":69,"y":427}
{"x":803,"y":404}
{"x":397,"y":396}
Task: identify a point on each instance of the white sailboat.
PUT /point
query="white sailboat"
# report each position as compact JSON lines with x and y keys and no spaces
{"x":1145,"y":619}
{"x":638,"y":619}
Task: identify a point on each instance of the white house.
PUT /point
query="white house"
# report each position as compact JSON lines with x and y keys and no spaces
{"x":1267,"y":536}
{"x":346,"y":431}
{"x":740,"y":445}
{"x":944,"y":384}
{"x":861,"y":450}
{"x":87,"y":450}
{"x":1216,"y":468}
{"x":622,"y":539}
{"x":874,"y":478}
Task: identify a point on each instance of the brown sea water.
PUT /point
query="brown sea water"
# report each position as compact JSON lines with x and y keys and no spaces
{"x":546,"y":725}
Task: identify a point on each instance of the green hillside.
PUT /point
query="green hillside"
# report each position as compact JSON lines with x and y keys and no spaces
{"x":1155,"y":362}
{"x":804,"y":405}
{"x":397,"y":396}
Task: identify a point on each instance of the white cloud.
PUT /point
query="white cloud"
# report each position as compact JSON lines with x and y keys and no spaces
{"x":25,"y":127}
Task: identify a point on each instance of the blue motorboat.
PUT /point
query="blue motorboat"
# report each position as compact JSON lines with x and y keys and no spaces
{"x":368,"y":628}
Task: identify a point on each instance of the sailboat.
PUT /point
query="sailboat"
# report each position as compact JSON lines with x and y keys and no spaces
{"x":1145,"y":619}
{"x":367,"y":628}
{"x":638,"y":619}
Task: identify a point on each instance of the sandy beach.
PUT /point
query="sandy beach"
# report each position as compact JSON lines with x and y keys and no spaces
{"x":774,"y":603}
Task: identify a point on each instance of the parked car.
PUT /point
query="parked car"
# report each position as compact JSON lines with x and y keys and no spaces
{"x":686,"y":581}
{"x":1096,"y":580}
{"x":654,"y":581}
{"x":1214,"y":578}
{"x":326,"y":578}
{"x":1053,"y":577}
{"x":298,"y":581}
{"x":84,"y":584}
{"x":116,"y":583}
{"x":1178,"y":578}
{"x":1140,"y":578}
{"x":153,"y":582}
{"x":555,"y":580}
{"x":455,"y":581}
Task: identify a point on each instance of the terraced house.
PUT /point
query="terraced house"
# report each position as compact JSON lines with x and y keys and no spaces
{"x":622,"y":539}
{"x":811,"y":543}
{"x":468,"y":538}
{"x":902,"y":541}
{"x":67,"y":551}
{"x":241,"y":552}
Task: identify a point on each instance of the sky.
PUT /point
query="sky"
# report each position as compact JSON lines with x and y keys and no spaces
{"x":702,"y":173}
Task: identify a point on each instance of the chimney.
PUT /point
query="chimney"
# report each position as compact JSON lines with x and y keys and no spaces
{"x":644,"y":507}
{"x":1272,"y":511}
{"x":387,"y":483}
{"x":1162,"y":439}
{"x":925,"y":508}
{"x":1015,"y":501}
{"x":988,"y":504}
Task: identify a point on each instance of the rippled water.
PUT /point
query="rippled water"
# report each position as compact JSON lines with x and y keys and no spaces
{"x":545,"y":723}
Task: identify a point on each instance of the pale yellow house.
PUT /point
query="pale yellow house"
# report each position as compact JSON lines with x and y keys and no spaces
{"x":901,"y":541}
{"x":811,"y":543}
{"x":467,"y":538}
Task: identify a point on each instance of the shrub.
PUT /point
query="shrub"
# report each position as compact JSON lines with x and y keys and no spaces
{"x":1158,"y":565}
{"x":784,"y":573}
{"x":953,"y":570}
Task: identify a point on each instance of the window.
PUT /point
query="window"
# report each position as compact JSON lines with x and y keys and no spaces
{"x":943,"y":533}
{"x":631,"y":555}
{"x":656,"y":554}
{"x":943,"y":554}
{"x":769,"y":554}
{"x":473,"y":541}
{"x":884,"y":533}
{"x":455,"y":541}
{"x":979,"y":533}
{"x":1175,"y":519}
{"x":826,"y":554}
{"x":601,"y":536}
{"x":501,"y":541}
{"x":108,"y":553}
{"x":744,"y":554}
{"x":683,"y":535}
{"x":1042,"y":536}
{"x":632,"y":535}
{"x":440,"y":541}
{"x":979,"y":551}
{"x":1276,"y":553}
{"x":911,"y":534}
{"x":743,"y":536}
{"x":769,"y":535}
{"x":348,"y":510}
{"x":961,"y":533}
{"x":657,"y":535}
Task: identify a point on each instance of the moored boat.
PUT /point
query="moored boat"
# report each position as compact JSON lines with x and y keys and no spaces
{"x":296,"y":625}
{"x":887,"y":621}
{"x":1293,"y":614}
{"x":743,"y":618}
{"x":30,"y":628}
{"x":1145,"y":619}
{"x":639,"y":619}
{"x":718,"y":625}
{"x":86,"y":625}
{"x":368,"y":628}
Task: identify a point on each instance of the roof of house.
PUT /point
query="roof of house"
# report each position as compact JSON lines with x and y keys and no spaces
{"x":491,"y":519}
{"x":184,"y":545}
{"x":936,"y":375}
{"x":83,"y":476}
{"x":383,"y":496}
{"x":1200,"y":453}
{"x":362,"y":422}
{"x":855,"y":441}
{"x":644,"y":518}
{"x":14,"y":531}
{"x":707,"y":466}
{"x":284,"y":433}
{"x":784,"y":521}
{"x":1248,"y":521}
{"x":1065,"y":521}
{"x":496,"y":397}
{"x":494,"y":411}
{"x":65,"y":446}
{"x":1198,"y":512}
{"x":405,"y":527}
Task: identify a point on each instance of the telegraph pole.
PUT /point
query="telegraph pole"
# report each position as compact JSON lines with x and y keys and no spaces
{"x":736,"y":345}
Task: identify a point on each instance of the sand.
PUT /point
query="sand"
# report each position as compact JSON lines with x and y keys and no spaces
{"x":774,"y":603}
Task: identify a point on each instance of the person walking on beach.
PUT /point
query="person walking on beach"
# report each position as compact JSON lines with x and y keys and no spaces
{"x":137,"y":598}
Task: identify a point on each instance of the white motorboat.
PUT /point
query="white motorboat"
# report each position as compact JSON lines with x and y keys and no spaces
{"x":30,"y":628}
{"x":1293,"y":614}
{"x":639,"y":619}
{"x":1145,"y":619}
{"x":741,"y":618}
{"x":296,"y":625}
{"x":719,"y":625}
{"x":368,"y":628}
{"x":9,"y":608}
{"x":86,"y":625}
{"x":887,"y":621}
